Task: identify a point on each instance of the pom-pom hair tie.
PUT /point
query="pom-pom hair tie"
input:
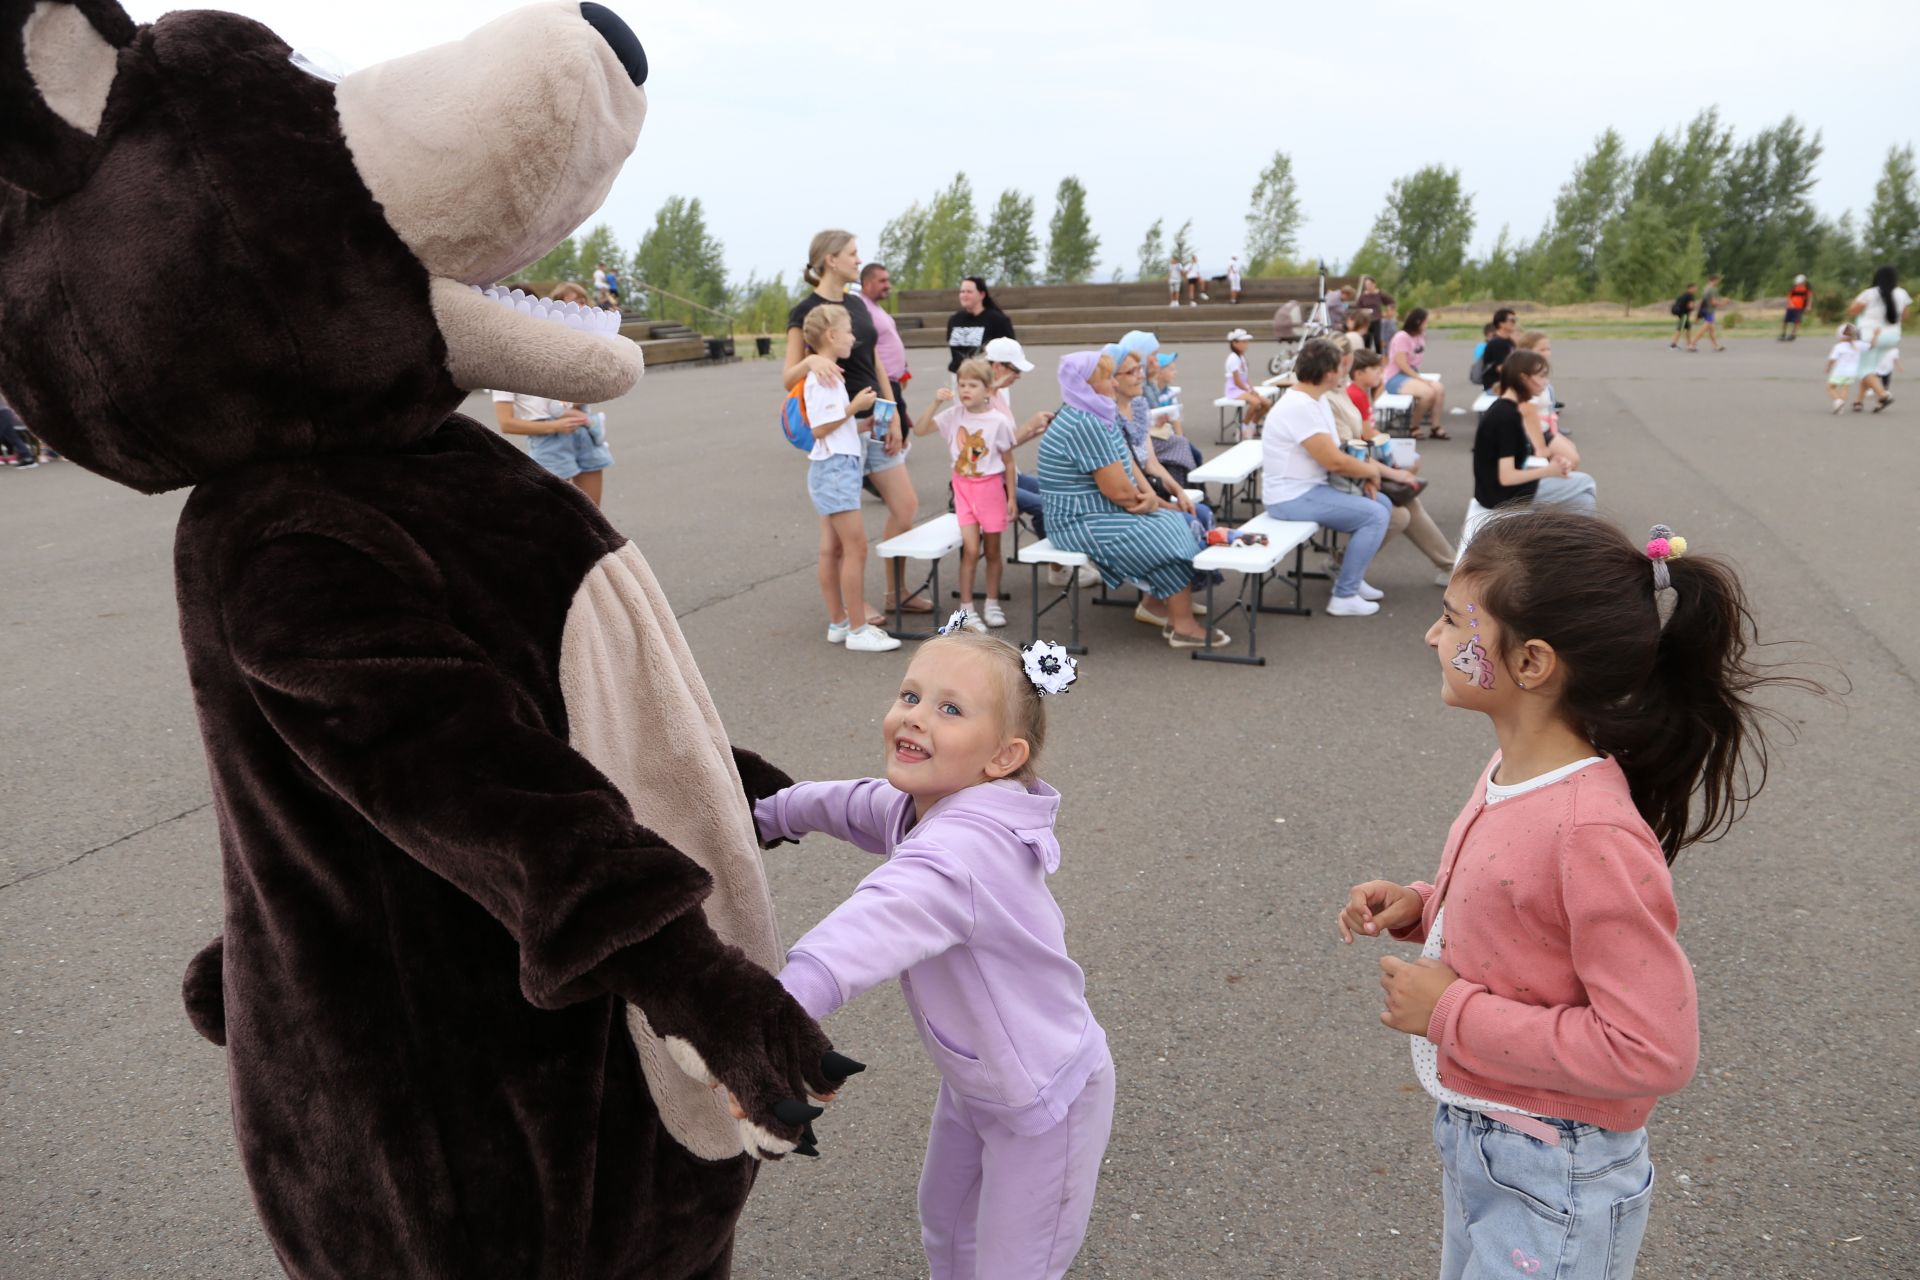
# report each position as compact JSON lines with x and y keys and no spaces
{"x":1664,"y":545}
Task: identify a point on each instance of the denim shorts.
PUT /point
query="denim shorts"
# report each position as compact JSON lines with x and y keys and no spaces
{"x":876,"y":457}
{"x":1516,"y":1206}
{"x":1396,"y":382}
{"x":833,"y":482}
{"x":568,"y":455}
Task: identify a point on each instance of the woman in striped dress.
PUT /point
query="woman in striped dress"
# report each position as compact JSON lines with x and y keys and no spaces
{"x":1093,"y":505}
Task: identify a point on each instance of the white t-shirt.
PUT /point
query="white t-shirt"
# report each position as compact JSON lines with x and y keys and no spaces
{"x":1233,"y":275}
{"x":1886,"y":364}
{"x":1287,"y":469}
{"x":1175,"y":274}
{"x":1236,"y":363}
{"x":1875,"y":317}
{"x":599,"y":280}
{"x":532,"y":408}
{"x":1846,"y":359}
{"x":827,"y":402}
{"x":1193,"y":269}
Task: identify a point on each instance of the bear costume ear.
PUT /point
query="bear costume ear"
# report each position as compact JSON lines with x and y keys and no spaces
{"x":58,"y":59}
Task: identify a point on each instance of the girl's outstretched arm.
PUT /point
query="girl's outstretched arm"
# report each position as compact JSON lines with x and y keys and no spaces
{"x":914,"y":907}
{"x":854,"y":811}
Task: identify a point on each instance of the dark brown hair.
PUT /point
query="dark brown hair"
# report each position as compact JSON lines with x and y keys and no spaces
{"x":1318,"y":358}
{"x":1415,"y":323}
{"x":1673,"y":705}
{"x":1521,"y":364}
{"x":1364,"y":359}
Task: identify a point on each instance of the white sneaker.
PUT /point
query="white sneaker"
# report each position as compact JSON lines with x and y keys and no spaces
{"x":837,"y":632}
{"x":1338,"y":607}
{"x":1174,"y":303}
{"x":995,"y":616}
{"x":974,"y":622}
{"x":1370,"y":592}
{"x":1839,"y":405}
{"x":871,"y":639}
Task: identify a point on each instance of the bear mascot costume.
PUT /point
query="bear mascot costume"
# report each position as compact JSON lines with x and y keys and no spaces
{"x":496,"y":927}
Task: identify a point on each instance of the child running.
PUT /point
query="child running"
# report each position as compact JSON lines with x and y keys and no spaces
{"x":961,"y":914}
{"x":1552,"y":1006}
{"x":980,"y":437}
{"x":833,"y":482}
{"x":1843,"y":367}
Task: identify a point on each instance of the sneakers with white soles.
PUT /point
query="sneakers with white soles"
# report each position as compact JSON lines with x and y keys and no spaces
{"x":1370,"y":592}
{"x":837,"y":632}
{"x":1338,"y":607}
{"x":995,"y":616}
{"x":871,"y":639}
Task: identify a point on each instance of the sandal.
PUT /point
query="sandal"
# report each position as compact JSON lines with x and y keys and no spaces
{"x":1884,"y":402}
{"x":1441,"y":433}
{"x":915,"y":603}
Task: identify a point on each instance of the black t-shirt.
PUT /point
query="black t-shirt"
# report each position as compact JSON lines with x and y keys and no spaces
{"x":861,"y":367}
{"x":1501,"y":435}
{"x":967,"y":336}
{"x":1683,"y":305}
{"x":1498,"y":349}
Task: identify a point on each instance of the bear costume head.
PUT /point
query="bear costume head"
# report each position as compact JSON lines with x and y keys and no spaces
{"x":211,"y":252}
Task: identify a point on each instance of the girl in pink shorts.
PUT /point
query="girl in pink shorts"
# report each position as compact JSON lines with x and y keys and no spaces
{"x":980,"y":438}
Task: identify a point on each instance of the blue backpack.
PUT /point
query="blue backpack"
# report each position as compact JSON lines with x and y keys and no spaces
{"x":793,"y":418}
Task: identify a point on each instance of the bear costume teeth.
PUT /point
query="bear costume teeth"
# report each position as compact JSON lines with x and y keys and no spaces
{"x":571,"y":314}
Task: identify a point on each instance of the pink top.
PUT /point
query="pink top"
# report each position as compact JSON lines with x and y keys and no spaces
{"x":977,"y":441}
{"x":1408,"y":345}
{"x":1574,"y":997}
{"x":887,"y":347}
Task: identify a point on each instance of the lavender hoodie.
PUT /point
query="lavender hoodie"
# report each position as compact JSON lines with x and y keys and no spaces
{"x":960,"y":913}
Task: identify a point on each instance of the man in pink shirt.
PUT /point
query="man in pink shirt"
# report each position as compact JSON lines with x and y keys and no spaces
{"x":875,"y":284}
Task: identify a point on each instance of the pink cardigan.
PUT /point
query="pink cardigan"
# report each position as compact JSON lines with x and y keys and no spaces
{"x":1574,"y":999}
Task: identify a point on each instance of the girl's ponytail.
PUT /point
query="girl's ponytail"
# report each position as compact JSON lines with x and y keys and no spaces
{"x":1673,"y":702}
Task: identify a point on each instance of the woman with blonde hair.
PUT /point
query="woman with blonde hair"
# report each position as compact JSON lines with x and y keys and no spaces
{"x":833,"y":269}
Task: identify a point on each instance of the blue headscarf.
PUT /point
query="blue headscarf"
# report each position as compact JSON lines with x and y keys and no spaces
{"x":1137,"y":342}
{"x":1075,"y":369}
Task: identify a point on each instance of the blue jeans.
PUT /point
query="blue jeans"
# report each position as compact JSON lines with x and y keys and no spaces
{"x":1027,"y":498}
{"x":1577,"y":492}
{"x":1517,"y":1207}
{"x":1350,"y":513}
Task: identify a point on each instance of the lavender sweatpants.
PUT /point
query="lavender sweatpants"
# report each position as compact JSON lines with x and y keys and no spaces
{"x":998,"y":1206}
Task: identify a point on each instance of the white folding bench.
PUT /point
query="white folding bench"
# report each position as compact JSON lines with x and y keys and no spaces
{"x":1393,"y":414}
{"x":1255,"y":564}
{"x":1232,"y":410}
{"x":1231,"y":470}
{"x":933,"y":541}
{"x":1484,"y":402}
{"x":1042,"y":552}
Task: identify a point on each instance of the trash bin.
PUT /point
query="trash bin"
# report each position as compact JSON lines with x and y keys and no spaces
{"x":716,"y":348}
{"x":763,"y":346}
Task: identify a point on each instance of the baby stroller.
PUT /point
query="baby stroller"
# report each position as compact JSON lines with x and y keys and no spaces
{"x":1291,"y":332}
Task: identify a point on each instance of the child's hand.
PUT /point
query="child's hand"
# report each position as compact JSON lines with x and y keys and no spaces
{"x":1412,"y":991}
{"x":1377,"y":907}
{"x":864,"y":401}
{"x":943,"y":395}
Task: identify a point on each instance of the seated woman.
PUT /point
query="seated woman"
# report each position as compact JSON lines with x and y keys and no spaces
{"x":1301,"y":452}
{"x":1131,"y":356}
{"x":1176,"y":453}
{"x":1360,"y":376}
{"x":1564,"y":485}
{"x":1096,"y":507}
{"x":1405,"y":351}
{"x":1510,"y":466}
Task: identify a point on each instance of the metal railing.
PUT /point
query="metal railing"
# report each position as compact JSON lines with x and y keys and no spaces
{"x":697,"y":306}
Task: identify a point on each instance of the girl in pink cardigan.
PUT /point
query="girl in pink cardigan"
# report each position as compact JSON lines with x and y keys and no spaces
{"x":1552,"y":1005}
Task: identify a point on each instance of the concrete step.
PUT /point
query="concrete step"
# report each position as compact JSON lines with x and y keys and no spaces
{"x":1271,"y":288}
{"x":1092,"y":335}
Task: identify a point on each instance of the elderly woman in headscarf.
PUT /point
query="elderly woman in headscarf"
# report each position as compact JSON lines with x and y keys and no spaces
{"x":1096,"y":505}
{"x":1134,"y":355}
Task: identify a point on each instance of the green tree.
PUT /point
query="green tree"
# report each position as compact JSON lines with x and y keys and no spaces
{"x":1837,"y":269}
{"x":1153,"y":253}
{"x":1642,"y":254}
{"x":599,"y":245}
{"x":1767,"y":215}
{"x":1183,"y":241}
{"x":1587,"y":204}
{"x":761,"y":306}
{"x":1425,"y":227}
{"x":952,"y":236}
{"x":1072,"y":248}
{"x":1273,"y":218}
{"x":1010,"y":249}
{"x":1893,"y":224}
{"x":1686,"y":175}
{"x":678,"y":255}
{"x":559,"y":263}
{"x":903,"y":246}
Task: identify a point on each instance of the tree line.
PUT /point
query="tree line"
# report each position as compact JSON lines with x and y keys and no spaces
{"x":1625,"y":227}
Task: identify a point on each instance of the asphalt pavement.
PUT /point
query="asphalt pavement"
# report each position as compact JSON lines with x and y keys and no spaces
{"x":1213,"y":819}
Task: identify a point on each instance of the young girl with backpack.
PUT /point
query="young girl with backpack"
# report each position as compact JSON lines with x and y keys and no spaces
{"x":960,"y":913}
{"x":1552,"y":1005}
{"x":833,"y":482}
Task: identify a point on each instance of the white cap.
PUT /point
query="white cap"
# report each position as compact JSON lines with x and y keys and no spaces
{"x":1239,"y":335}
{"x":1007,"y":351}
{"x":1799,"y":279}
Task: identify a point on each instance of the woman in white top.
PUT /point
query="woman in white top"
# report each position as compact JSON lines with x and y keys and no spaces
{"x":1301,"y":449}
{"x":1878,"y":314}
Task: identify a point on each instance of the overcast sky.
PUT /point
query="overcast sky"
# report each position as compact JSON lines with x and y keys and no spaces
{"x":786,"y":118}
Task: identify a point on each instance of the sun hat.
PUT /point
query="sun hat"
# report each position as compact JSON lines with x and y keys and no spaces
{"x":1007,"y":351}
{"x":1799,"y":279}
{"x":1239,"y":335}
{"x":1167,"y":357}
